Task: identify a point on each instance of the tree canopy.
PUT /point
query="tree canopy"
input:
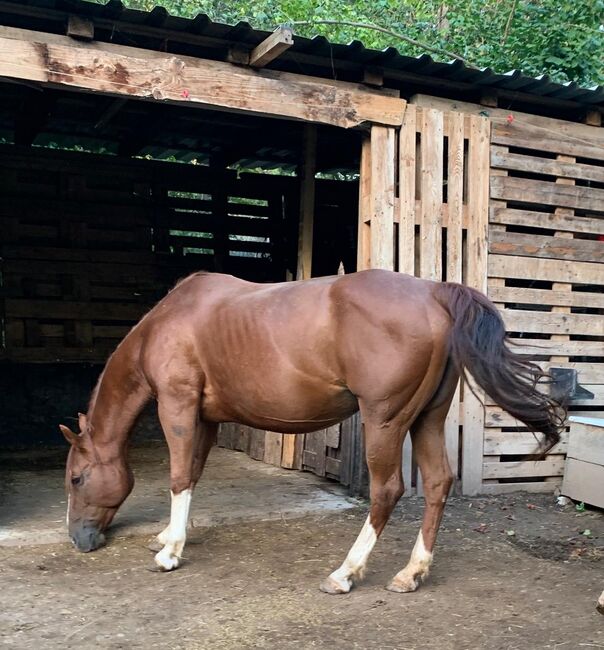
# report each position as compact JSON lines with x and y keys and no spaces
{"x":561,"y":38}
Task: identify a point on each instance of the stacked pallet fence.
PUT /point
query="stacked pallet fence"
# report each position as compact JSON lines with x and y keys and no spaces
{"x":424,"y":211}
{"x":546,"y":273}
{"x":89,"y":244}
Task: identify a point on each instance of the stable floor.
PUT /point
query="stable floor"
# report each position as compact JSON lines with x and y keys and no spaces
{"x":511,"y":573}
{"x":233,"y":488}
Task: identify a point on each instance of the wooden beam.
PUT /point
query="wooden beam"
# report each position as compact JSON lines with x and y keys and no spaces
{"x":270,"y":48}
{"x":133,"y":72}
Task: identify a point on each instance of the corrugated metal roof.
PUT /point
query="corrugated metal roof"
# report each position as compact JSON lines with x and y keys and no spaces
{"x":390,"y":59}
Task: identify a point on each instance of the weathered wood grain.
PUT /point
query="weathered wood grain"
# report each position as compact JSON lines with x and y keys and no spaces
{"x":382,"y":183}
{"x":137,"y":73}
{"x":504,"y":266}
{"x":546,"y":220}
{"x":531,"y":245}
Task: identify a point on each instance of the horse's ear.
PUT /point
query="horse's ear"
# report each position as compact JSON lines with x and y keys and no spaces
{"x":82,"y":422}
{"x":70,"y":436}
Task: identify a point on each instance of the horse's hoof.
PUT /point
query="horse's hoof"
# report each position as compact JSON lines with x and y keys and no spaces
{"x":403,"y":585}
{"x":155,"y":546}
{"x":600,"y":607}
{"x":167,"y":560}
{"x":333,"y":586}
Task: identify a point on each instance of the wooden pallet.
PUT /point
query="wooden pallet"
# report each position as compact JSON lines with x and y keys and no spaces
{"x":546,"y":272}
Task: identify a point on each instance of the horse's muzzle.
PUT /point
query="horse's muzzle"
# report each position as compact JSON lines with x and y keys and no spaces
{"x":87,"y":538}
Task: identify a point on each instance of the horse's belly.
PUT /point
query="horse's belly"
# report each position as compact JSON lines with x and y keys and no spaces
{"x":296,"y":411}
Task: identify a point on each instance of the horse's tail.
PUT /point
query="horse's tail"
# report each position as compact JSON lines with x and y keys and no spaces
{"x":479,"y":344}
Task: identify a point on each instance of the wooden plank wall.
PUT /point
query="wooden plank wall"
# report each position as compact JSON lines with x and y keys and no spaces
{"x":546,"y":272}
{"x":89,"y":243}
{"x":426,"y":214}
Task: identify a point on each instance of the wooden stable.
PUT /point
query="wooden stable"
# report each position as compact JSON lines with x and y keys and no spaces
{"x":510,"y":201}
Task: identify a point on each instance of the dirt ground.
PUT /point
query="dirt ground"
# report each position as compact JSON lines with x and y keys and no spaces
{"x":254,"y":584}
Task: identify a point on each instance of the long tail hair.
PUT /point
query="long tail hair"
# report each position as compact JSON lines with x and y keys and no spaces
{"x":479,"y":345}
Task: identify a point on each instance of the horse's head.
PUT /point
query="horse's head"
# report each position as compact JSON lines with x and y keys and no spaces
{"x":97,"y":484}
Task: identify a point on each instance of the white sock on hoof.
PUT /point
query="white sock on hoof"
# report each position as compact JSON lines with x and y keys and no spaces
{"x":355,"y":563}
{"x":417,"y":568}
{"x":175,"y":535}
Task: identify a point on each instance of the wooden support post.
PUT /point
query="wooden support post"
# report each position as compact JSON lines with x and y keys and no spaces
{"x":307,"y":203}
{"x":363,"y":242}
{"x":430,"y":255}
{"x":455,"y":181}
{"x":478,"y":221}
{"x":270,"y":48}
{"x":293,"y":444}
{"x":406,"y":180}
{"x":219,"y":219}
{"x":383,"y":187}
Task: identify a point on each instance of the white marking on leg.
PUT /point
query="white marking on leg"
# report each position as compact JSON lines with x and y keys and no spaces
{"x":341,"y":580}
{"x":417,"y":568}
{"x":175,"y":535}
{"x":600,"y":605}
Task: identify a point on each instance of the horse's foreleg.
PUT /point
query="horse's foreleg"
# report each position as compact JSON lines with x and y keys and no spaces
{"x":189,"y":443}
{"x":383,"y":446}
{"x":206,"y":436}
{"x":431,"y":456}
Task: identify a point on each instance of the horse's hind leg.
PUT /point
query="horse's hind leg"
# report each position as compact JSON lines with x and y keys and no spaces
{"x":189,"y":442}
{"x":383,"y":442}
{"x":427,"y":434}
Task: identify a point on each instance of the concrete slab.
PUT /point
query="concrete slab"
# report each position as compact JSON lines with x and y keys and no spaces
{"x":234,"y":488}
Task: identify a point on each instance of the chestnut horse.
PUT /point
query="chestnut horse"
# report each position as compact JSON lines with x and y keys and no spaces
{"x":296,"y":357}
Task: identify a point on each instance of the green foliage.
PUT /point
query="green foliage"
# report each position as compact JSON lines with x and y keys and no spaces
{"x":561,"y":38}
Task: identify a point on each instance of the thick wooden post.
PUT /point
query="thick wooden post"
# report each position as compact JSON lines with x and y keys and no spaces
{"x":382,"y":197}
{"x":478,"y":223}
{"x":307,"y":202}
{"x":293,"y":444}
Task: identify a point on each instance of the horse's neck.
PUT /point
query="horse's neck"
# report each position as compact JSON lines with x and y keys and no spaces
{"x":119,"y":397}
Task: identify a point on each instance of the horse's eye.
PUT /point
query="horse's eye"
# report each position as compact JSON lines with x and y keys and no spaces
{"x":76,"y":480}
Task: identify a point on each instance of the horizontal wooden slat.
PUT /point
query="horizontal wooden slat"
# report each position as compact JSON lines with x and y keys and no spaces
{"x":520,"y":320}
{"x":541,"y":487}
{"x":506,"y":266}
{"x":560,"y":248}
{"x":532,"y":191}
{"x":503,"y":159}
{"x":71,"y":255}
{"x":25,"y":308}
{"x":96,"y":354}
{"x":551,"y":466}
{"x":547,"y":297}
{"x":498,"y":443}
{"x":555,"y":136}
{"x":596,"y":389}
{"x":496,"y":417}
{"x":546,"y":220}
{"x":541,"y":347}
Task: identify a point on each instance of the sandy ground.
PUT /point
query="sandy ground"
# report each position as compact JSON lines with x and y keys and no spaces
{"x":254,"y":584}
